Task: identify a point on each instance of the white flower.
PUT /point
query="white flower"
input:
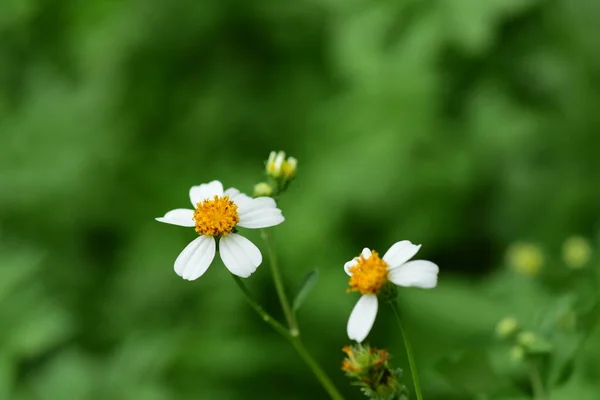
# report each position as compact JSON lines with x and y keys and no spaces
{"x":369,"y":273}
{"x":217,"y":214}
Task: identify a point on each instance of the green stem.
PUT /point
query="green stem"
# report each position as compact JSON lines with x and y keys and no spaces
{"x":536,"y":382}
{"x":278,"y":281}
{"x":259,"y":310}
{"x":294,"y":339}
{"x":409,"y":353}
{"x":316,"y":369}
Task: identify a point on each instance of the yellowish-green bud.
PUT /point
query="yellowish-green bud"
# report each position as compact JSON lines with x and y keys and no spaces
{"x":507,"y":327}
{"x":263,"y":189}
{"x":527,"y":259}
{"x":534,"y":344}
{"x":576,"y":252}
{"x":280,"y":170}
{"x":526,"y":338}
{"x":517,"y":353}
{"x":289,"y":168}
{"x":275,"y":164}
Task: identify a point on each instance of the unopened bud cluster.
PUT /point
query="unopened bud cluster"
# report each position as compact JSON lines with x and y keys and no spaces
{"x":369,"y":369}
{"x":280,"y":172}
{"x":523,"y":343}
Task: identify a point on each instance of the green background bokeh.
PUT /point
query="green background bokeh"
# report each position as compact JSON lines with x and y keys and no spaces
{"x":464,"y":125}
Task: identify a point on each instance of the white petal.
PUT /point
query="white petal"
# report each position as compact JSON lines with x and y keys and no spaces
{"x":400,"y":252}
{"x":231,"y":192}
{"x":362,"y":317}
{"x":205,"y":191}
{"x":179,"y":216}
{"x":279,"y":160}
{"x":239,"y":198}
{"x":366,"y":253}
{"x":257,"y":204}
{"x":195,"y":258}
{"x":418,"y":273}
{"x":261,"y":219}
{"x":240,"y":256}
{"x":350,"y":264}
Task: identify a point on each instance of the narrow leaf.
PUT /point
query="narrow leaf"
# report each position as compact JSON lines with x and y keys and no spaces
{"x":307,"y":285}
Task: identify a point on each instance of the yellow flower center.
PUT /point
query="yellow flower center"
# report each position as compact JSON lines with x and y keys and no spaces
{"x":216,"y":217}
{"x":369,"y":275}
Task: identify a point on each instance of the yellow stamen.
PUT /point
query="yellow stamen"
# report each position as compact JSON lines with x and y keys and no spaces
{"x":369,"y":275}
{"x":216,"y":217}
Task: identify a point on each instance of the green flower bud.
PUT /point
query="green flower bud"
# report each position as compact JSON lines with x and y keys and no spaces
{"x":507,"y":327}
{"x":576,"y":252}
{"x":263,"y":189}
{"x":527,"y":259}
{"x":369,"y":369}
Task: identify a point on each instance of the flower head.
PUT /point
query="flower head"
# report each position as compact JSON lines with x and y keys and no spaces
{"x":369,"y":275}
{"x":216,"y":216}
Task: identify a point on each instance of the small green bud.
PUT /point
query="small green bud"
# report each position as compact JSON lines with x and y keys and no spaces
{"x":534,"y":344}
{"x":525,"y":258}
{"x":369,"y":369}
{"x":576,"y":252}
{"x":507,"y":327}
{"x":517,"y":353}
{"x":263,"y":189}
{"x":526,"y":338}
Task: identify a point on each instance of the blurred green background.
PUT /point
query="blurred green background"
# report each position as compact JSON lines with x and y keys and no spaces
{"x":464,"y":125}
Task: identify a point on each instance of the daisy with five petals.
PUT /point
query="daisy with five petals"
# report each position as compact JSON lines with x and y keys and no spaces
{"x":369,"y":273}
{"x":216,"y":216}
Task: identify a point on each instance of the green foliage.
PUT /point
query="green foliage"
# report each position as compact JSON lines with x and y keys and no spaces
{"x":463,"y":125}
{"x":308,"y":284}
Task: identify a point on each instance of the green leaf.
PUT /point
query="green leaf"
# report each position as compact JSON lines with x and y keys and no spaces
{"x":307,"y":286}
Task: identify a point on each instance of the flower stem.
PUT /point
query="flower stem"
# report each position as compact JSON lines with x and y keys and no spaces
{"x":278,"y":281}
{"x":410,"y":355}
{"x":316,"y":369}
{"x":294,"y":339}
{"x":536,"y":382}
{"x":259,"y":310}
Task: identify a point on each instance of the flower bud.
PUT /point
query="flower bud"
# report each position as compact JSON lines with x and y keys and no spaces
{"x":280,"y":170}
{"x":526,"y":338}
{"x":263,"y":189}
{"x":517,"y":353}
{"x":576,"y":252}
{"x":534,"y":344}
{"x":507,"y":327}
{"x":527,"y":259}
{"x":289,"y":168}
{"x":370,"y":370}
{"x":275,"y":164}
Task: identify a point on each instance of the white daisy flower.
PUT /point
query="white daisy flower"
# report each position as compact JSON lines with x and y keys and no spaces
{"x":369,"y":273}
{"x":217,"y":214}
